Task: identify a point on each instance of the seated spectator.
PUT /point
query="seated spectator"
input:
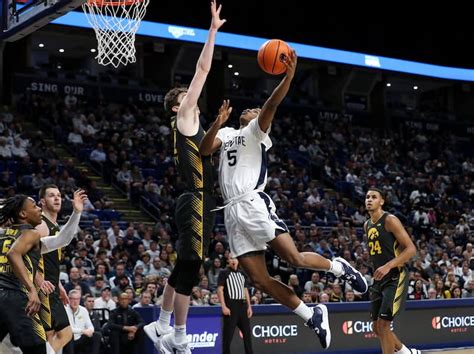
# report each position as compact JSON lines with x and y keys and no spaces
{"x":197,"y":298}
{"x":349,"y":296}
{"x":94,"y":315}
{"x":145,"y":300}
{"x":126,"y":328}
{"x":105,"y":301}
{"x":75,"y":280}
{"x":315,"y":281}
{"x":157,"y":269}
{"x":98,"y":154}
{"x":99,"y":284}
{"x":306,"y":297}
{"x":213,"y":273}
{"x":84,"y":337}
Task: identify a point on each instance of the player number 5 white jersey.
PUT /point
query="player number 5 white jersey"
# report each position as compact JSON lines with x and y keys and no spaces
{"x":243,"y":159}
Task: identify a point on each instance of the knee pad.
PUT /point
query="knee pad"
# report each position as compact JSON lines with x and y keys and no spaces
{"x":185,"y":276}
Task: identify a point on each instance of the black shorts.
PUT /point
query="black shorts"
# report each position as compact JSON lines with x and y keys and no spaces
{"x":195,"y":221}
{"x":388,"y":296}
{"x":24,"y":331}
{"x":56,"y":320}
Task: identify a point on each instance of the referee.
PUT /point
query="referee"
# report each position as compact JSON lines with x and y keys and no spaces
{"x":235,"y":301}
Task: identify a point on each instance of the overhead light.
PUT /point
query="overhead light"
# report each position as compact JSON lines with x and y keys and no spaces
{"x":230,"y":66}
{"x":41,"y":45}
{"x":415,"y":87}
{"x":389,"y":84}
{"x":93,"y":50}
{"x":61,"y":50}
{"x":59,"y":67}
{"x":236,"y":73}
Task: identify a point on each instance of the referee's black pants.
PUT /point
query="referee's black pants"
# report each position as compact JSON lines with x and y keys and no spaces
{"x":238,"y":318}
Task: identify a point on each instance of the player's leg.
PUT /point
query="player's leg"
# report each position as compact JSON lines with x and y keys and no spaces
{"x":34,"y":349}
{"x":384,"y":331}
{"x":284,"y":246}
{"x":254,"y":266}
{"x":25,"y":332}
{"x":187,"y":278}
{"x":60,"y":338}
{"x":62,"y":332}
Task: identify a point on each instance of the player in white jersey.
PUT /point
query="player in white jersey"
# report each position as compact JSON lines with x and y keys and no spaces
{"x":250,"y":218}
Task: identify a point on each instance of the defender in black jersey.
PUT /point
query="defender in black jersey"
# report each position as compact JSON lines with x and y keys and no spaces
{"x":193,"y":216}
{"x":20,"y":251}
{"x":390,"y":248}
{"x":52,"y":313}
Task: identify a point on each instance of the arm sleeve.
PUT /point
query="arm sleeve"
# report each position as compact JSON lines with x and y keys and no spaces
{"x":64,"y":237}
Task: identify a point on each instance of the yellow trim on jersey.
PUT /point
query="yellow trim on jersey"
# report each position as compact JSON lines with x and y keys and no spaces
{"x":198,"y":223}
{"x":399,"y":293}
{"x":45,"y":310}
{"x":38,"y":327}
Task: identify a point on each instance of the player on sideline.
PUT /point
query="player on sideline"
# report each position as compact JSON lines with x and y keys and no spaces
{"x":193,"y":208}
{"x":21,"y":247}
{"x":390,"y":248}
{"x":53,"y":296}
{"x":250,"y":218}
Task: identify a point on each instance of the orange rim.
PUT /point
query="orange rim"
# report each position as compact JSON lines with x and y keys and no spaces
{"x":113,"y":3}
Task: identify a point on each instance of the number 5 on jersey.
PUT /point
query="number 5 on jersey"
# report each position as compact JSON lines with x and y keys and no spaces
{"x":6,"y":247}
{"x":232,"y":157}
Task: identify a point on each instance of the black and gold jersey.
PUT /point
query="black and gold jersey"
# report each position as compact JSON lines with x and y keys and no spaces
{"x":195,"y":170}
{"x":8,"y":279}
{"x":49,"y":266}
{"x":383,"y":246}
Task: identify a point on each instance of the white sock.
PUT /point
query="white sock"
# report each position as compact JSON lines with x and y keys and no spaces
{"x":49,"y":349}
{"x":336,"y":268}
{"x":403,"y":350}
{"x":165,"y":318}
{"x":303,"y":311}
{"x":180,"y":334}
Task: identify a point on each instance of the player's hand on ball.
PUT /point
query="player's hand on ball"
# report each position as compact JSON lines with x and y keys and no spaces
{"x":290,"y":63}
{"x":224,"y":113}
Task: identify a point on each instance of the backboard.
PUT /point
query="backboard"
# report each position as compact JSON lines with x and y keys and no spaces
{"x":22,"y":17}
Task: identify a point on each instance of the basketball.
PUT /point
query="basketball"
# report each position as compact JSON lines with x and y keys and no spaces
{"x":271,"y":56}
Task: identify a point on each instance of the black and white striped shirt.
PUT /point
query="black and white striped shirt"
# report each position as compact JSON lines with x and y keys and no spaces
{"x":234,"y":283}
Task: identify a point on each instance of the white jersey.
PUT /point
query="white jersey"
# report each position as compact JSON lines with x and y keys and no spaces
{"x":243,"y":159}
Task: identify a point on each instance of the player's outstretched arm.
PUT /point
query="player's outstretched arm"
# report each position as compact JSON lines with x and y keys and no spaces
{"x":269,"y":108}
{"x":186,"y":117}
{"x":67,"y":233}
{"x":393,"y":225}
{"x":27,"y":240}
{"x":210,"y":143}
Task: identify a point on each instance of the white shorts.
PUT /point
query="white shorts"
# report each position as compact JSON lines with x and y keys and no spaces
{"x":251,"y":223}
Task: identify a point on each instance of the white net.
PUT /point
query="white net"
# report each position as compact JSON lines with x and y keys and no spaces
{"x":115,"y":24}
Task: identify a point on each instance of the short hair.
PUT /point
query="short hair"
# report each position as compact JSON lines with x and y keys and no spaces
{"x":375,"y":189}
{"x":73,"y":291}
{"x":44,"y":188}
{"x":171,"y":99}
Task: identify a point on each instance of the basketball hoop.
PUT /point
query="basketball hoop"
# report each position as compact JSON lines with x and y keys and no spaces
{"x":115,"y":24}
